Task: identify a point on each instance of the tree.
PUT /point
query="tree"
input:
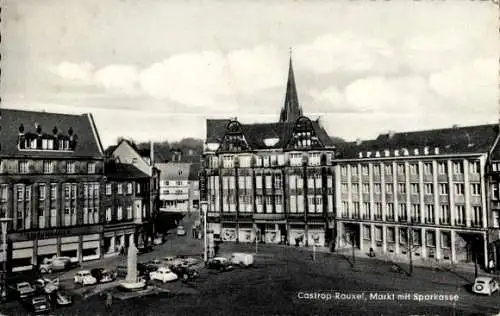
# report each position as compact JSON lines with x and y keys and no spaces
{"x":410,"y":240}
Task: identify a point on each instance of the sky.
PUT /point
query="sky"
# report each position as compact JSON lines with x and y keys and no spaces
{"x":156,"y":70}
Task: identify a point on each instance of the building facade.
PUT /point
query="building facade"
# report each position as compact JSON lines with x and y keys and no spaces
{"x":51,"y":170}
{"x":493,"y":202}
{"x":422,"y":192}
{"x":179,"y":192}
{"x":273,"y":181}
{"x":125,"y":204}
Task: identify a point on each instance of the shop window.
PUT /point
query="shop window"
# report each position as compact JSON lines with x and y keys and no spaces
{"x":70,"y":253}
{"x":21,"y":262}
{"x":89,"y":252}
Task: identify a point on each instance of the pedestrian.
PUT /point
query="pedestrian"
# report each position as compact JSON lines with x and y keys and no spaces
{"x":491,"y":266}
{"x":109,"y":300}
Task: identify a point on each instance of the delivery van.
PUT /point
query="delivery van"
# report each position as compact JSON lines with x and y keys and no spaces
{"x":242,"y":259}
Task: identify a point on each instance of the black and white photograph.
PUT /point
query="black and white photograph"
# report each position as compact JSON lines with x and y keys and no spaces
{"x":281,"y":157}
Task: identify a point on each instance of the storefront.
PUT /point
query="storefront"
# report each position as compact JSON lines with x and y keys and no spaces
{"x":91,"y":247}
{"x":297,"y":235}
{"x":272,"y":234}
{"x":316,"y":235}
{"x":22,"y":256}
{"x":46,"y":248}
{"x":70,"y":248}
{"x":109,"y":246}
{"x":246,"y":232}
{"x":228,"y":232}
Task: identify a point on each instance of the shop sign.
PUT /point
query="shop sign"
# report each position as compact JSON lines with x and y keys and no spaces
{"x":55,"y":232}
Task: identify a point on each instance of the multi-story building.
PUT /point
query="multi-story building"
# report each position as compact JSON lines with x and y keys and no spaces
{"x":493,"y":201}
{"x":127,"y":153}
{"x":125,"y":204}
{"x":423,"y":192}
{"x":51,"y":172}
{"x":179,"y":191}
{"x":270,"y":181}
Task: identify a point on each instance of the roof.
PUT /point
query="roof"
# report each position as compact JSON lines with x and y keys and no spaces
{"x":145,"y":151}
{"x":455,"y":140}
{"x":51,"y":126}
{"x":256,"y":133}
{"x":194,"y":172}
{"x":291,"y":109}
{"x":122,"y":171}
{"x":109,"y":151}
{"x":174,"y":171}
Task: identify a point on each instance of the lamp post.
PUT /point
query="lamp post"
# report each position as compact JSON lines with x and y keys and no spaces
{"x":4,"y":221}
{"x":204,"y":209}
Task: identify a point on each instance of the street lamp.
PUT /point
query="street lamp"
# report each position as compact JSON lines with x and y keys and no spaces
{"x":204,"y":210}
{"x":4,"y":221}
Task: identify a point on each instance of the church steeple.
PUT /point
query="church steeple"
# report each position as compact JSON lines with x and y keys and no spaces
{"x":291,"y":110}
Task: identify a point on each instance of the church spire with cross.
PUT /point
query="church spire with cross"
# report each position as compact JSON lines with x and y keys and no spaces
{"x":291,"y":110}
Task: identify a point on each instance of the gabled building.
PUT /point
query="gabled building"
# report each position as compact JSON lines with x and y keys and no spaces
{"x":51,"y":173}
{"x":179,"y":190}
{"x":422,"y":192}
{"x":270,"y":181}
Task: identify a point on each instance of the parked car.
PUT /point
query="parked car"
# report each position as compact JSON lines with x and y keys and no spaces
{"x":158,"y":241}
{"x":144,"y":269}
{"x":63,"y":299}
{"x":185,"y":273}
{"x":103,"y":276}
{"x":22,"y":290}
{"x":38,"y":304}
{"x":84,"y":277}
{"x":181,"y":231}
{"x":485,"y":285}
{"x":46,"y":286}
{"x":219,"y":263}
{"x":242,"y":259}
{"x":163,"y":274}
{"x":173,"y":261}
{"x":53,"y":264}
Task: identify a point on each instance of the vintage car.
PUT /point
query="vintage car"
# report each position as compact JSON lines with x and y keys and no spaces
{"x":46,"y":286}
{"x":63,"y":299}
{"x":181,"y":231}
{"x":53,"y":264}
{"x":185,"y":273}
{"x":103,"y":276}
{"x":84,"y":277}
{"x":485,"y":285}
{"x":219,"y":263}
{"x":163,"y":274}
{"x":38,"y":304}
{"x":22,"y":290}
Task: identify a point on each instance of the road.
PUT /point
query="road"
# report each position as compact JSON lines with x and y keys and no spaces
{"x":283,"y":276}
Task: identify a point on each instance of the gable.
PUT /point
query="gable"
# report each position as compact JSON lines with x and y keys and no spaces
{"x":126,"y":154}
{"x":234,"y":140}
{"x":304,"y":135}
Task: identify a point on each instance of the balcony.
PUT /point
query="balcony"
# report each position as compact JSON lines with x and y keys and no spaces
{"x":444,"y":221}
{"x":269,"y":216}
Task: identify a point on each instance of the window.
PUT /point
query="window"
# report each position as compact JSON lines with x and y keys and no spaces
{"x":442,"y":168}
{"x":108,"y":188}
{"x":376,"y":170}
{"x":403,"y":236}
{"x":354,"y":170}
{"x":429,"y":213}
{"x":474,"y":166}
{"x":401,"y":170}
{"x":459,"y":189}
{"x":258,"y":161}
{"x":366,"y":210}
{"x":314,"y":159}
{"x":364,"y":170}
{"x":388,"y":169}
{"x":48,"y":167}
{"x":42,"y":188}
{"x":108,"y":214}
{"x":460,"y":212}
{"x":443,"y":189}
{"x":129,"y":212}
{"x":53,"y":191}
{"x":389,"y":188}
{"x":413,"y":168}
{"x":401,"y":188}
{"x":402,"y":211}
{"x":414,"y":188}
{"x":3,"y":192}
{"x":445,"y":240}
{"x":91,"y":167}
{"x":428,"y":168}
{"x":378,"y":233}
{"x":429,"y":188}
{"x":119,"y":213}
{"x":281,"y":160}
{"x":445,"y":214}
{"x":129,"y":188}
{"x":70,"y":167}
{"x":344,"y":188}
{"x":343,"y":171}
{"x":23,"y":167}
{"x":496,"y":218}
{"x":415,"y":212}
{"x":417,"y":237}
{"x":138,"y":188}
{"x":494,"y":192}
{"x":391,"y":235}
{"x":20,"y":192}
{"x":228,"y":161}
{"x":430,"y":238}
{"x":367,"y":232}
{"x":245,"y":161}
{"x":354,"y":188}
{"x":377,"y":188}
{"x":119,"y":188}
{"x":458,"y":167}
{"x":366,"y":188}
{"x":476,"y":189}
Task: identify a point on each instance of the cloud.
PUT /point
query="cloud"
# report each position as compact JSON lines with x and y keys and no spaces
{"x":123,"y":78}
{"x":472,"y":84}
{"x":347,"y":53}
{"x":80,"y":73}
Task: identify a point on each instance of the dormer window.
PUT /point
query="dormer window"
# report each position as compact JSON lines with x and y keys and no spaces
{"x":314,"y":159}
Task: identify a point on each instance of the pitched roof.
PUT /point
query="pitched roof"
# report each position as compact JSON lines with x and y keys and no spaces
{"x":121,"y":171}
{"x":145,"y":151}
{"x":255,"y":134}
{"x":174,"y":171}
{"x":109,"y":151}
{"x":88,"y":144}
{"x":291,"y":110}
{"x":455,"y":140}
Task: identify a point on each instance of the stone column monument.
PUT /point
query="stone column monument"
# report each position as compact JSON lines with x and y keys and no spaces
{"x":131,"y":261}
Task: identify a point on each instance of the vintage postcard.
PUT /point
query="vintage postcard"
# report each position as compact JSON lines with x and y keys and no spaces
{"x":249,"y":157}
